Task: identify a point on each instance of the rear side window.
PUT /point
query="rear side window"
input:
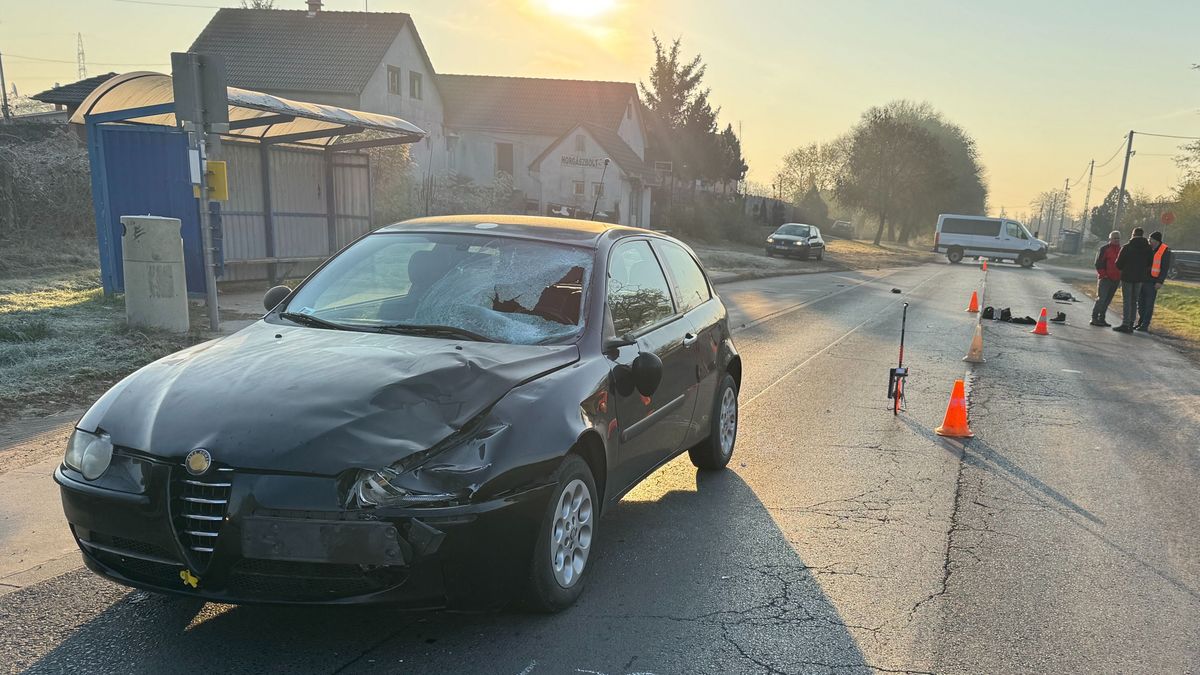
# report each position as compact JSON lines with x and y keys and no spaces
{"x":986,"y":228}
{"x":689,"y":279}
{"x":638,"y":295}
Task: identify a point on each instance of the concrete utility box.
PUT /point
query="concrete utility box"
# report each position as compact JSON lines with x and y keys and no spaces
{"x":155,"y":281}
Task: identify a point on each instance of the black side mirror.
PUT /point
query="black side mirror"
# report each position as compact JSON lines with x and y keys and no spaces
{"x":275,"y":296}
{"x":647,"y":372}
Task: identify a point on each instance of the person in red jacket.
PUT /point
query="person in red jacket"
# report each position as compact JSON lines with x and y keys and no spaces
{"x":1108,"y":278}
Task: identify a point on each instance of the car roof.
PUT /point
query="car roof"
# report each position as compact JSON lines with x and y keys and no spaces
{"x":565,"y":230}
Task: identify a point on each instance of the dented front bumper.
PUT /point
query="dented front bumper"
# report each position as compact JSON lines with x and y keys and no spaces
{"x":283,"y":539}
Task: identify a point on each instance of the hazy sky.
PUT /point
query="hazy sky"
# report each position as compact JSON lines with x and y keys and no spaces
{"x":1043,"y":86}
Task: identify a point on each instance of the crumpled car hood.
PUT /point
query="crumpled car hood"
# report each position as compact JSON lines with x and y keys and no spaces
{"x":314,"y":401}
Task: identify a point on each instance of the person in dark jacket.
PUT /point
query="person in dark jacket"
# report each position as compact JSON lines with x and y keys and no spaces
{"x":1108,"y":278}
{"x":1134,"y":263}
{"x":1160,"y":266}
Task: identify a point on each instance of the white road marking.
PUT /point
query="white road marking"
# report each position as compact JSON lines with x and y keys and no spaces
{"x":788,"y":310}
{"x":529,"y":668}
{"x":829,"y":346}
{"x":1068,"y":370}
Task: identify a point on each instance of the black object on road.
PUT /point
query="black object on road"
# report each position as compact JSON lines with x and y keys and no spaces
{"x":895,"y":290}
{"x":896,"y":375}
{"x":1060,"y":317}
{"x":1064,"y":295}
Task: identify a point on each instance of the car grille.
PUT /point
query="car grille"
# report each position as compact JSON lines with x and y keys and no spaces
{"x":269,"y":579}
{"x":199,"y":504}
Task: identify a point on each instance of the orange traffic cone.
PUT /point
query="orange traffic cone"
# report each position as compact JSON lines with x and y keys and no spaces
{"x":974,"y":306}
{"x":975,"y":353}
{"x":985,"y":264}
{"x":1041,"y":328}
{"x":955,"y":423}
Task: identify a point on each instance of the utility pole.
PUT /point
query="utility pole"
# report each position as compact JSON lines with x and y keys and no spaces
{"x":1066,"y":204}
{"x":80,"y":59}
{"x":1087,"y":215}
{"x":1124,"y":175}
{"x":4,"y":93}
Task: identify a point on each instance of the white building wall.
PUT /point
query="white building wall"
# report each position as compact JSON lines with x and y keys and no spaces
{"x":631,"y":129}
{"x":558,"y":178}
{"x":475,"y":157}
{"x":426,"y":112}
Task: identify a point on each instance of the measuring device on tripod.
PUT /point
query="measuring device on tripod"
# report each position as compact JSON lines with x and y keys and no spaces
{"x":896,"y":375}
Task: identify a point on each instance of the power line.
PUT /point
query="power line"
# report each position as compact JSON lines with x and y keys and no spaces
{"x":1186,"y":138}
{"x":1079,"y":180}
{"x":168,"y":4}
{"x":75,"y":63}
{"x":1114,"y":155}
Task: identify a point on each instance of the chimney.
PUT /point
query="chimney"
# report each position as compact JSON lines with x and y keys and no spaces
{"x":314,"y":6}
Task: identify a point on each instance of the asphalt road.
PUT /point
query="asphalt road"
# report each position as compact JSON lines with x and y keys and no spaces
{"x":1063,"y":537}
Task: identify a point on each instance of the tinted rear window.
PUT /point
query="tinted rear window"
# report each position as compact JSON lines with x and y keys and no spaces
{"x":990,"y":228}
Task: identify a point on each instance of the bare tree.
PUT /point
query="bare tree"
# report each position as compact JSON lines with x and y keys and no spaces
{"x":894,"y":169}
{"x":258,"y":4}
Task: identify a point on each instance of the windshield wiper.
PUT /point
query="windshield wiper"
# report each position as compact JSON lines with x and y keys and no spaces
{"x":430,"y":329}
{"x":310,"y":320}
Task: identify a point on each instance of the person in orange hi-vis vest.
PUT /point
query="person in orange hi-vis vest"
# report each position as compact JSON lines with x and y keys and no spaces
{"x":1160,"y":265}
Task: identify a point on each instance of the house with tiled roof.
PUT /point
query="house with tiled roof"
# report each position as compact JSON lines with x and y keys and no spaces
{"x":67,"y":97}
{"x":550,"y":135}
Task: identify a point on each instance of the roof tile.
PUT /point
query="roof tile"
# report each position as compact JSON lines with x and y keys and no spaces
{"x":288,"y":50}
{"x":532,"y":105}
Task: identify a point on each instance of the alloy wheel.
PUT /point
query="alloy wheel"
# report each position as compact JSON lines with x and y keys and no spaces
{"x":729,"y":414}
{"x":571,"y":533}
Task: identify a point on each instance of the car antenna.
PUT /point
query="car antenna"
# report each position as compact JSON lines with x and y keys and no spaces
{"x":597,"y":202}
{"x":896,"y":375}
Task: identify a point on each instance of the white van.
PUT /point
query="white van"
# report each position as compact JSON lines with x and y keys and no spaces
{"x":982,"y":237}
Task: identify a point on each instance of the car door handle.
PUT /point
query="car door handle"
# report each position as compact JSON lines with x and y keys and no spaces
{"x":690,"y":339}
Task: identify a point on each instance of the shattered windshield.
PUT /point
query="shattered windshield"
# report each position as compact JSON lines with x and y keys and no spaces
{"x":793,"y":230}
{"x":498,"y":289}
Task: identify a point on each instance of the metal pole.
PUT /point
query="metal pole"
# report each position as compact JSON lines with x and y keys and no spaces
{"x":1066,"y":204}
{"x":199,"y":142}
{"x":4,"y":92}
{"x":596,"y":203}
{"x":1087,"y":216}
{"x":1124,"y":175}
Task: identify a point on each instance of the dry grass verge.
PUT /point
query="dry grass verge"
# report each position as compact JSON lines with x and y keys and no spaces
{"x":1176,"y":314}
{"x":62,"y":343}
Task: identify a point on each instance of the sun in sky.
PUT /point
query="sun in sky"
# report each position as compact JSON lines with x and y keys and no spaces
{"x":579,"y":9}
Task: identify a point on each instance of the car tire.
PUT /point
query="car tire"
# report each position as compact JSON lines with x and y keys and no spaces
{"x":1172,"y":273}
{"x":821,"y":255}
{"x":714,"y":452}
{"x":567,"y":529}
{"x":1025,"y":260}
{"x":954,"y":255}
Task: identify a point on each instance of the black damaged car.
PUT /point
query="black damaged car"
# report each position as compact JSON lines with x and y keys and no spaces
{"x":438,"y":415}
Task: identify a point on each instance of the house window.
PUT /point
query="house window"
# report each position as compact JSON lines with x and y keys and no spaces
{"x":578,"y":188}
{"x":580,"y":143}
{"x":394,"y":80}
{"x":414,"y":85}
{"x":504,"y":158}
{"x":597,"y":190}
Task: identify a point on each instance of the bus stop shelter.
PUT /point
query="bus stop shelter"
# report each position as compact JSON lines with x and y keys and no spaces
{"x":299,"y":176}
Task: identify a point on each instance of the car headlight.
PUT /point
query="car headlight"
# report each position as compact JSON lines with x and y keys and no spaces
{"x":770,"y":240}
{"x":88,"y":453}
{"x":386,"y":487}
